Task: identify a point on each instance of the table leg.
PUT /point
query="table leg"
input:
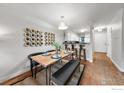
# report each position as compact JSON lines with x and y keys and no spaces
{"x":35,"y":71}
{"x":46,"y":77}
{"x":31,"y":67}
{"x":49,"y":74}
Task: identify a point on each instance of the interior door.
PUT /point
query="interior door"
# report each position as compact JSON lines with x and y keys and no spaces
{"x":100,"y":41}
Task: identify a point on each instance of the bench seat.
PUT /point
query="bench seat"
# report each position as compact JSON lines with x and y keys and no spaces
{"x":77,"y":76}
{"x":64,"y":74}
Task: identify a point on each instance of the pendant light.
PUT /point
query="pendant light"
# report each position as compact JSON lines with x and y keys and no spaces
{"x":62,"y":24}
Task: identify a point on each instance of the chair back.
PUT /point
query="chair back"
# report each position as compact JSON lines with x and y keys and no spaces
{"x":34,"y":54}
{"x":50,"y":50}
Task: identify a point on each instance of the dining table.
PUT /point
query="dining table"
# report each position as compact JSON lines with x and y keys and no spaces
{"x":47,"y":61}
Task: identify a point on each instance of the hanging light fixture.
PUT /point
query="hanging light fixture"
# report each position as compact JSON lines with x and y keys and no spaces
{"x":62,"y":25}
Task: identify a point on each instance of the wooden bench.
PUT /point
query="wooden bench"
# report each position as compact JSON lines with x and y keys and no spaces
{"x":77,"y":76}
{"x":65,"y":73}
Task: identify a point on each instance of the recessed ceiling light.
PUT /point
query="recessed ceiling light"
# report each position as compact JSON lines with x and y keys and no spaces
{"x":100,"y":29}
{"x":83,"y":30}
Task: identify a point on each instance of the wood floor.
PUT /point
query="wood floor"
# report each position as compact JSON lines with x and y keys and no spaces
{"x":101,"y":72}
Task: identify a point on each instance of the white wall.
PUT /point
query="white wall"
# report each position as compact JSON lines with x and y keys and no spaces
{"x":89,"y":47}
{"x":13,"y":54}
{"x":109,"y":42}
{"x":117,"y":38}
{"x":100,"y":41}
{"x":71,"y":36}
{"x":122,"y":41}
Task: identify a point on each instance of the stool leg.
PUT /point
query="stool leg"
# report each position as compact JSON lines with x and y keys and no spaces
{"x":84,"y":54}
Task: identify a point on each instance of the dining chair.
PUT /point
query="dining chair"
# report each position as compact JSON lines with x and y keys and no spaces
{"x":50,"y":50}
{"x":34,"y":64}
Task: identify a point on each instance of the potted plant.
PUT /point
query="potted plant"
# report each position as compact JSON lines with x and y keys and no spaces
{"x":57,"y":47}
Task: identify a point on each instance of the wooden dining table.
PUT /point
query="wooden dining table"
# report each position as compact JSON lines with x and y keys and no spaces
{"x":47,"y":61}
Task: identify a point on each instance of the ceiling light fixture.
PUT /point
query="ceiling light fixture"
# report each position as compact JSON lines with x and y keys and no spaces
{"x":83,"y":30}
{"x":62,"y":25}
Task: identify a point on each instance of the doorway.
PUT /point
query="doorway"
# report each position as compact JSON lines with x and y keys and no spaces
{"x":100,"y":41}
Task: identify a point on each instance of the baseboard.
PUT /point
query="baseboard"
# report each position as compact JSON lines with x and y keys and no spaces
{"x":89,"y":60}
{"x":14,"y":74}
{"x":118,"y":67}
{"x":19,"y":78}
{"x":100,"y":52}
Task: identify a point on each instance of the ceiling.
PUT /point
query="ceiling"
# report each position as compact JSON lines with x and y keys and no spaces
{"x":77,"y":16}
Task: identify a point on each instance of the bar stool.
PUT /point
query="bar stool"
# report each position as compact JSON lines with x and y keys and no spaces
{"x":66,"y":46}
{"x":72,"y":47}
{"x":82,"y":50}
{"x":75,"y":54}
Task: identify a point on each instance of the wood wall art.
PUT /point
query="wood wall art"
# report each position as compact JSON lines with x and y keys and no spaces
{"x":49,"y":38}
{"x":35,"y":38}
